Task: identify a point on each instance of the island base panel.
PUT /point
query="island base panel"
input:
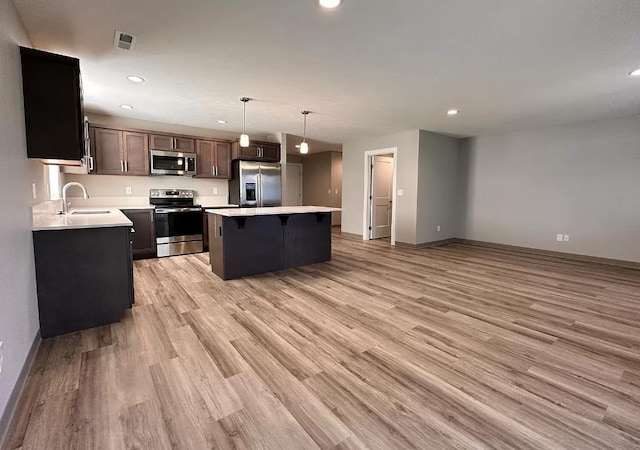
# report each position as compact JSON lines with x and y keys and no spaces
{"x":251,"y":245}
{"x":307,"y":239}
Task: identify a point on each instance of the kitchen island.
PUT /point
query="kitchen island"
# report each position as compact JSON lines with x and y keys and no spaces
{"x":250,"y":241}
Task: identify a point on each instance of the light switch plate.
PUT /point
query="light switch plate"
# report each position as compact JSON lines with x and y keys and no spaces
{"x":400,"y":192}
{"x":559,"y":237}
{"x":128,"y":190}
{"x":215,"y":191}
{"x":566,"y":238}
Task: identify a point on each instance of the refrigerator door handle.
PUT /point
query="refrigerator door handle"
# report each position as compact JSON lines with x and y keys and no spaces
{"x":259,"y":202}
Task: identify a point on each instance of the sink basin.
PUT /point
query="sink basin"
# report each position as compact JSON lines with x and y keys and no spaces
{"x":90,"y":212}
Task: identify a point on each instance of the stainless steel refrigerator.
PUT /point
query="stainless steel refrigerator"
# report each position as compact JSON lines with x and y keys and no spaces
{"x":255,"y":184}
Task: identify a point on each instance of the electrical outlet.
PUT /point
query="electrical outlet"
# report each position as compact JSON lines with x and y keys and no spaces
{"x":336,"y":192}
{"x":34,"y":191}
{"x":215,"y":191}
{"x":400,"y":192}
{"x":438,"y":228}
{"x":1,"y":355}
{"x":566,"y":238}
{"x":329,"y":192}
{"x":559,"y":237}
{"x":128,"y":190}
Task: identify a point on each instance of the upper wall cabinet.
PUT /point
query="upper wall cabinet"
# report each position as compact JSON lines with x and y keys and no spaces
{"x":52,"y":107}
{"x":257,"y":151}
{"x":172,"y":143}
{"x":119,"y":152}
{"x":213,"y":159}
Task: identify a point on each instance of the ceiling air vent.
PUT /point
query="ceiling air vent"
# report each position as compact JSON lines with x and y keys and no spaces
{"x":125,"y":41}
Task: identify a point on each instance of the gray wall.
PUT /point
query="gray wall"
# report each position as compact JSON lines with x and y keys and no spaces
{"x":438,"y":179}
{"x":581,"y":180}
{"x":407,"y":180}
{"x":316,"y":179}
{"x":322,"y":181}
{"x":18,"y":302}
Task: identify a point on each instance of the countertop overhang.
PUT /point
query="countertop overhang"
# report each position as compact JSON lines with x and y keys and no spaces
{"x":271,"y":211}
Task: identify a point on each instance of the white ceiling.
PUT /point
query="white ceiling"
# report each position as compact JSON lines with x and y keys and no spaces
{"x":370,"y":67}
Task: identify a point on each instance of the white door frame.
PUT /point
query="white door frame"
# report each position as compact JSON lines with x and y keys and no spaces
{"x":301,"y":176}
{"x":366,"y":217}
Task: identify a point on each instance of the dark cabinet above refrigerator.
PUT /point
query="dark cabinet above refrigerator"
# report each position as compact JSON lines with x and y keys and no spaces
{"x":53,"y":109}
{"x":256,"y":151}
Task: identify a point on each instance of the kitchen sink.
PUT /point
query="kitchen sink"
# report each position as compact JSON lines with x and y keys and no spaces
{"x":90,"y":212}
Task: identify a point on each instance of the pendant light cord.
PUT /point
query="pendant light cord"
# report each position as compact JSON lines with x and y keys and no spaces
{"x":244,"y":117}
{"x":304,"y":128}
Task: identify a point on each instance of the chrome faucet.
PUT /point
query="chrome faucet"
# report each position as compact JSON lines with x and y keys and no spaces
{"x":65,"y":205}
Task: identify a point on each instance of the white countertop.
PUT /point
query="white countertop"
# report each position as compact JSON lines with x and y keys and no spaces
{"x":114,"y":218}
{"x":219,"y":206}
{"x":271,"y":211}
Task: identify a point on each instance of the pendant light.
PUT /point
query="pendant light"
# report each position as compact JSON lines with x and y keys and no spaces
{"x":304,"y":147}
{"x":244,"y":137}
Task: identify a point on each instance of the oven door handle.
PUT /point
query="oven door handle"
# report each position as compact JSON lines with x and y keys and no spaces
{"x":172,"y":210}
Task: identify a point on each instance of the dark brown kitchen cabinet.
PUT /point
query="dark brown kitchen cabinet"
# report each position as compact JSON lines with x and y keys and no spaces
{"x":172,"y":143}
{"x":144,"y":234}
{"x":136,"y":153}
{"x":107,"y":151}
{"x":119,"y":152}
{"x":213,"y":159}
{"x":53,"y":111}
{"x":256,"y":151}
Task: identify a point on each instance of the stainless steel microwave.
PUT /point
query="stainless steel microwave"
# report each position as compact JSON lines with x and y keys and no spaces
{"x":172,"y":163}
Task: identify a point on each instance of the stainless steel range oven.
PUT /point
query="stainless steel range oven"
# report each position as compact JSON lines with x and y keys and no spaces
{"x":178,"y":222}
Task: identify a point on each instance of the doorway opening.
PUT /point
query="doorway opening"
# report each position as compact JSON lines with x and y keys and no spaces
{"x":380,"y":195}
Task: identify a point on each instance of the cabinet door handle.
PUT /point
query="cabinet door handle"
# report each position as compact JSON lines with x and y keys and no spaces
{"x":216,"y":167}
{"x":173,"y":143}
{"x":121,"y":166}
{"x":126,"y":166}
{"x":90,"y":163}
{"x":213,"y":171}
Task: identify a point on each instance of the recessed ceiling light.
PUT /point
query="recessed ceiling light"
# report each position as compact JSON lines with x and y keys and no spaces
{"x":330,"y":3}
{"x":635,"y":73}
{"x":126,"y":106}
{"x":222,"y":121}
{"x":453,"y":112}
{"x":135,"y":79}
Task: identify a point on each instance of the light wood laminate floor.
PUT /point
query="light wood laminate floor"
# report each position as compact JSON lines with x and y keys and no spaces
{"x":381,"y":348}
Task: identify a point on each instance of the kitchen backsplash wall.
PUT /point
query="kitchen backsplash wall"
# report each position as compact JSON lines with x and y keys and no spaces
{"x":103,"y":189}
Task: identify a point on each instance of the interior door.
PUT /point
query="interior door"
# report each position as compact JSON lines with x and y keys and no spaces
{"x":270,"y":185}
{"x":294,"y":185}
{"x":381,"y":193}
